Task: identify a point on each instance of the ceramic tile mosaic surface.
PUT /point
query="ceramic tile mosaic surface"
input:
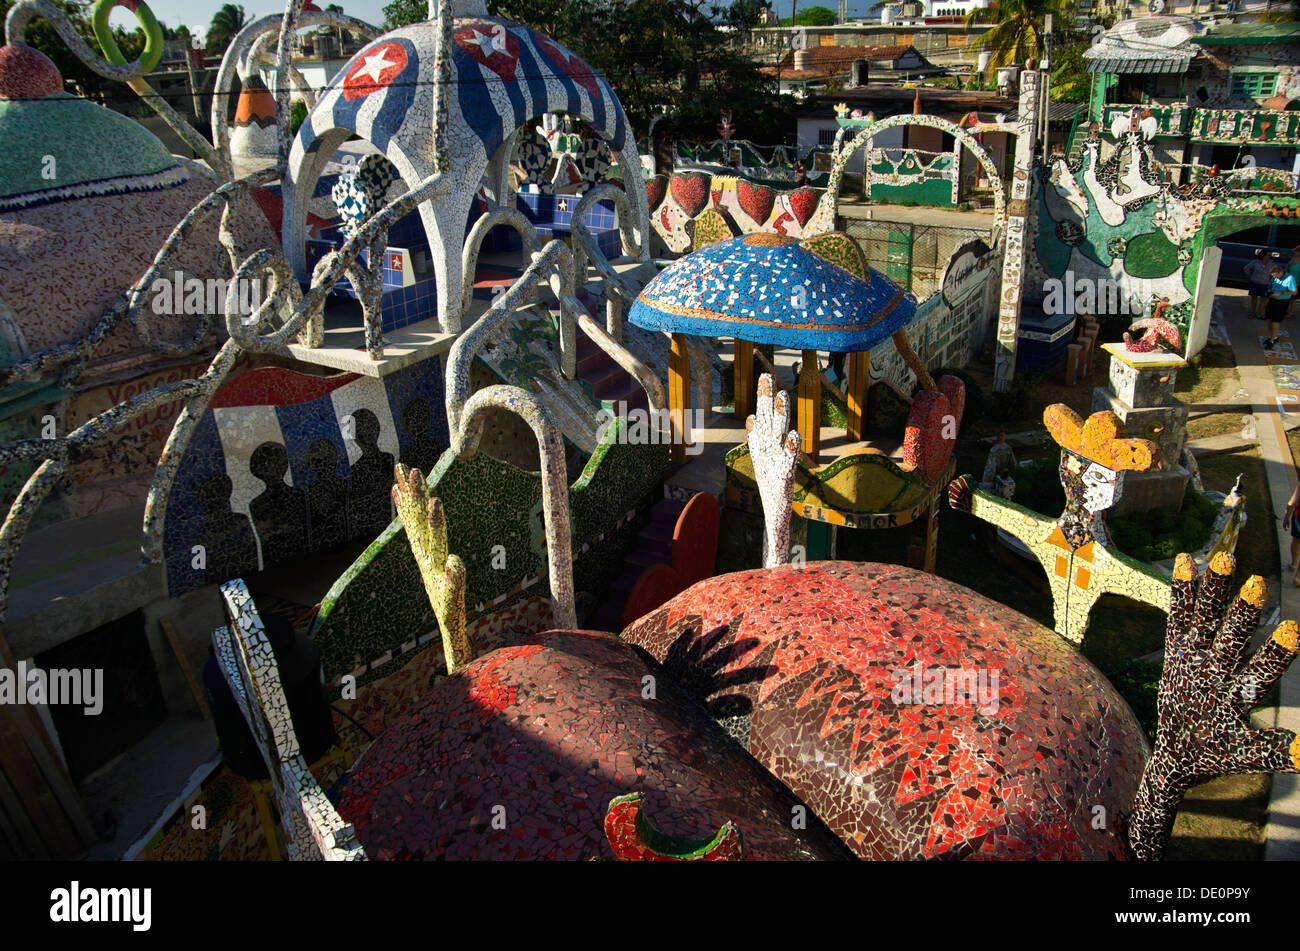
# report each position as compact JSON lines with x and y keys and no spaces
{"x":494,"y":522}
{"x":858,"y":686}
{"x":1121,"y":222}
{"x":284,"y":463}
{"x":1074,"y":549}
{"x":502,"y":75}
{"x":87,"y":198}
{"x":520,"y":755}
{"x":770,"y":289}
{"x":1209,"y":684}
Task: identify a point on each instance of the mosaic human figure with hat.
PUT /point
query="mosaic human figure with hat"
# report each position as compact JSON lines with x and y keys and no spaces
{"x":1075,"y":550}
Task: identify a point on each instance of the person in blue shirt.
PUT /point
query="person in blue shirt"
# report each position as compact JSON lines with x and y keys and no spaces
{"x":1281,"y":289}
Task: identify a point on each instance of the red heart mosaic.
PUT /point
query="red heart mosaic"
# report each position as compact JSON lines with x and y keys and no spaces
{"x":655,"y":189}
{"x":756,"y":200}
{"x":925,"y":446}
{"x":691,"y":191}
{"x":803,"y":202}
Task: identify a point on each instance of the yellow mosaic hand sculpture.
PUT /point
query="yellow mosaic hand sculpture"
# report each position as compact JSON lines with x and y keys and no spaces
{"x":443,"y":574}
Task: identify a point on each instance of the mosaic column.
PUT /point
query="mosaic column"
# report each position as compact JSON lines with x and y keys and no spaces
{"x":679,"y":394}
{"x":1013,"y":247}
{"x":858,"y":384}
{"x":956,"y":171}
{"x":743,"y":364}
{"x":810,"y":405}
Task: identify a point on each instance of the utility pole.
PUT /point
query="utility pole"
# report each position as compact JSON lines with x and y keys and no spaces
{"x":1046,"y":83}
{"x":195,"y":52}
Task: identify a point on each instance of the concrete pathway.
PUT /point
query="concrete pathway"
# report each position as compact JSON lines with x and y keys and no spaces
{"x":1266,"y":377}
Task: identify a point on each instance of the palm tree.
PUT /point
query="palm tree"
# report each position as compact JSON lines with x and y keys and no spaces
{"x":1018,"y":33}
{"x":226,"y":23}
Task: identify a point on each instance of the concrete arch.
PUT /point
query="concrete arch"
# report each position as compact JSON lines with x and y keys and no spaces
{"x":826,"y":210}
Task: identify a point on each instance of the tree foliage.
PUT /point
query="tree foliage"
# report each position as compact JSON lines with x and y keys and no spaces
{"x":657,"y":55}
{"x":226,"y":23}
{"x":76,"y":76}
{"x":813,"y":16}
{"x":1019,"y":30}
{"x":1071,"y":81}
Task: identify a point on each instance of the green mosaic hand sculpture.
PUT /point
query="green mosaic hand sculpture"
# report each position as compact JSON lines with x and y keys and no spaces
{"x":1207,"y":689}
{"x":444,"y":574}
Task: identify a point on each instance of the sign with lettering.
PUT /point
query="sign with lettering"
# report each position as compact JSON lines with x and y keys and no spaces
{"x":965,"y":273}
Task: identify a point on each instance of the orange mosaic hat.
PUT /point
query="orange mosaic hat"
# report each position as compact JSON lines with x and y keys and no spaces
{"x":1100,"y":439}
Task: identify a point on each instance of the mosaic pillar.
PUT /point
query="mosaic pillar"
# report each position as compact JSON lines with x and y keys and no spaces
{"x":810,"y":405}
{"x":1141,"y":394}
{"x":856,"y":391}
{"x":924,"y":545}
{"x":956,"y":171}
{"x":743,"y":369}
{"x":679,"y":394}
{"x":1013,"y":248}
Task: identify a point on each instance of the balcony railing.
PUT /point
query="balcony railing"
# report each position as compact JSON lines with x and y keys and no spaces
{"x":1246,"y":125}
{"x":1173,"y":119}
{"x":1261,"y":126}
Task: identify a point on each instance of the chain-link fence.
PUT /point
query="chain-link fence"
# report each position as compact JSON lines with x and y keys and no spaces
{"x":911,"y":255}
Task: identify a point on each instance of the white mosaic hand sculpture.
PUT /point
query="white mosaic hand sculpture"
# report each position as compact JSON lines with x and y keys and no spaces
{"x":774,"y":449}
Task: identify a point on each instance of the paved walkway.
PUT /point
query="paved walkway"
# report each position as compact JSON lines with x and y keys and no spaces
{"x":1272,"y":380}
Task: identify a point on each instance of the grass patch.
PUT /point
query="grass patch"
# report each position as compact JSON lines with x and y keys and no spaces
{"x":1156,"y":536}
{"x":1215,"y":424}
{"x":1293,"y":443}
{"x":1222,"y":820}
{"x":1257,"y":551}
{"x":1204,"y":378}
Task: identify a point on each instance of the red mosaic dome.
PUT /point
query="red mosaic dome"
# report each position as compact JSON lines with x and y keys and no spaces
{"x":850,"y":683}
{"x":520,"y":754}
{"x":27,"y":73}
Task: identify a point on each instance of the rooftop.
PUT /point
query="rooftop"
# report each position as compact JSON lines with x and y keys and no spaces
{"x":1250,"y":33}
{"x":887,"y":100}
{"x":1158,"y":44}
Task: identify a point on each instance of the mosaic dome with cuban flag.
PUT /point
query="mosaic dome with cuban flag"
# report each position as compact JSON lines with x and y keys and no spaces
{"x":771,"y":288}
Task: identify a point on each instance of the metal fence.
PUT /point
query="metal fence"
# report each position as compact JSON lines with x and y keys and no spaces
{"x":911,"y":255}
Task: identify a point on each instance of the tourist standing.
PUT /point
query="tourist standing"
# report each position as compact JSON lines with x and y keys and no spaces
{"x":1281,"y":291}
{"x":1291,"y":515}
{"x":1293,"y":268}
{"x":1257,"y":274}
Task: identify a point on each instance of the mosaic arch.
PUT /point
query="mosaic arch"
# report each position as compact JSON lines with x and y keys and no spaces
{"x":825,"y":217}
{"x":502,"y":75}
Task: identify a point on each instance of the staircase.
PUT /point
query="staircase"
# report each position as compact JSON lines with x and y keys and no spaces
{"x":653,"y":546}
{"x":610,"y":383}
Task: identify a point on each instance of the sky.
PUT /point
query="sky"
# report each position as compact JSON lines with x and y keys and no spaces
{"x":196,"y":14}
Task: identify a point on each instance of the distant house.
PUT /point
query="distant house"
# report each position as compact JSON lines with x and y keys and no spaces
{"x":1227,"y":95}
{"x":819,"y":123}
{"x":810,"y":70}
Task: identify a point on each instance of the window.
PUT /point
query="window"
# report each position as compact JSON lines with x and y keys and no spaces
{"x":826,"y":136}
{"x":1252,"y":85}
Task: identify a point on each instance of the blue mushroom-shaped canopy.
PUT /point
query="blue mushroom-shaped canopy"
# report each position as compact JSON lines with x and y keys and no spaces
{"x":770,"y":288}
